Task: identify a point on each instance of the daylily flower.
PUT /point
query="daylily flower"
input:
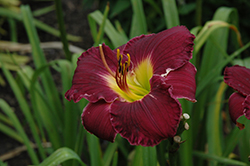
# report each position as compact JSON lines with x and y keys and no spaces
{"x":238,"y":77}
{"x":133,"y":89}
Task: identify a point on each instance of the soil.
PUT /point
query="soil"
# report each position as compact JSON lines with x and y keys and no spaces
{"x":76,"y":23}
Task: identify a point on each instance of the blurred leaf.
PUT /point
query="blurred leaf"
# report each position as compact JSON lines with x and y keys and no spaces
{"x":94,"y":150}
{"x":149,"y":156}
{"x":187,"y":8}
{"x":109,"y":152}
{"x":9,"y":112}
{"x":214,"y":124}
{"x":137,"y":156}
{"x":39,"y":60}
{"x":119,"y":7}
{"x":115,"y":159}
{"x":170,"y":13}
{"x":219,"y":159}
{"x":116,"y":38}
{"x":242,"y":62}
{"x":59,"y":156}
{"x":16,"y":15}
{"x":100,"y":33}
{"x":25,"y":109}
{"x":138,"y":25}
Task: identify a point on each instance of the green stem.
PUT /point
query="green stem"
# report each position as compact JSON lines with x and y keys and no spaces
{"x":13,"y":30}
{"x":173,"y":156}
{"x":198,"y":12}
{"x":62,"y":29}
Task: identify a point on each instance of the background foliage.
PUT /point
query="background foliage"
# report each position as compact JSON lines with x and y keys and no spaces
{"x":52,"y":125}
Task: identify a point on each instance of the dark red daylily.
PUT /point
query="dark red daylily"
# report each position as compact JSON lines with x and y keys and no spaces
{"x":133,"y":89}
{"x":238,"y":77}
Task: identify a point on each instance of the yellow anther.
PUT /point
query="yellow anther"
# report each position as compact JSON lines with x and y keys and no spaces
{"x":118,"y":54}
{"x":128,"y":60}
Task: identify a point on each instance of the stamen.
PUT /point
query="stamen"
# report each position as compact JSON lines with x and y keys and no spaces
{"x":128,"y":60}
{"x":104,"y":61}
{"x":118,"y":54}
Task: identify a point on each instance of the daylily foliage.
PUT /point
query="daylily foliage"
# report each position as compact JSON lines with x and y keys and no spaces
{"x":134,"y":89}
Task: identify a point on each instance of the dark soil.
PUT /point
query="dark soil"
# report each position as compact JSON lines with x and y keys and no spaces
{"x":76,"y":23}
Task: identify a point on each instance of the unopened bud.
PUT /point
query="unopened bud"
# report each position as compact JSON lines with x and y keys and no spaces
{"x":186,"y":126}
{"x":177,"y":139}
{"x":186,"y":116}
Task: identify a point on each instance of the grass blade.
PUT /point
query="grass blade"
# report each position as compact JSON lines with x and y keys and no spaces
{"x":39,"y":60}
{"x":63,"y":35}
{"x":219,"y":159}
{"x":170,"y":13}
{"x":139,"y":25}
{"x":116,"y":38}
{"x":59,"y":156}
{"x":6,"y":108}
{"x":214,"y":126}
{"x":94,"y":150}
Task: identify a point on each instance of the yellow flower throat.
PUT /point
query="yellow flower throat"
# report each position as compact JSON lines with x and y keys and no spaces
{"x":129,"y":85}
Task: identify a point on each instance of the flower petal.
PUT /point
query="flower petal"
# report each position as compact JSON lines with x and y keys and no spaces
{"x":168,"y":49}
{"x":238,"y":77}
{"x":96,"y":120}
{"x":236,"y":108}
{"x":183,"y":82}
{"x":150,"y":120}
{"x":88,"y":80}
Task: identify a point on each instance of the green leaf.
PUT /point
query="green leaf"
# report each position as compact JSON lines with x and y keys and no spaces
{"x":219,"y":159}
{"x":139,"y":25}
{"x":109,"y":152}
{"x":138,"y":156}
{"x":149,"y":156}
{"x":170,"y":13}
{"x":116,"y":38}
{"x":9,"y":112}
{"x":94,"y":150}
{"x":214,"y":124}
{"x":59,"y":156}
{"x":39,"y":60}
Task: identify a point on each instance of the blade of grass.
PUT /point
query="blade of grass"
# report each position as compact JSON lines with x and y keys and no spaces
{"x":219,"y":159}
{"x":161,"y":153}
{"x":186,"y":149}
{"x":94,"y":150}
{"x":63,"y":34}
{"x":9,"y":13}
{"x":109,"y":152}
{"x":10,"y":132}
{"x":71,"y":114}
{"x":116,"y":38}
{"x":6,"y":108}
{"x":42,"y":11}
{"x":137,"y":160}
{"x":149,"y":156}
{"x":244,"y":143}
{"x":139,"y":25}
{"x":214,"y":126}
{"x":25,"y":109}
{"x":39,"y":60}
{"x":100,"y":34}
{"x":115,"y":159}
{"x":13,"y":30}
{"x":170,"y":13}
{"x":61,"y":155}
